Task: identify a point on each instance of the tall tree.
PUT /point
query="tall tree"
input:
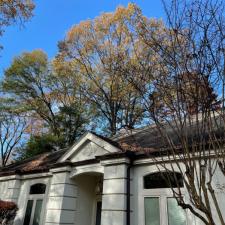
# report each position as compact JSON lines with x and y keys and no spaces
{"x":43,"y":93}
{"x":182,"y":100}
{"x":98,"y":49}
{"x":74,"y":111}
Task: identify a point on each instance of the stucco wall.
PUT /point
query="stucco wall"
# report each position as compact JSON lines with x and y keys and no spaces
{"x":71,"y":200}
{"x":114,"y":192}
{"x":4,"y":190}
{"x":10,"y":188}
{"x":140,"y":170}
{"x":24,"y":194}
{"x":61,"y":205}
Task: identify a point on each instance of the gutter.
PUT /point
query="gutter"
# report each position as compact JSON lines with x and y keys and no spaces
{"x":128,"y":189}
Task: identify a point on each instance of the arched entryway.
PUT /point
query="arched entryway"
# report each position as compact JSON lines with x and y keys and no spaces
{"x":89,"y":198}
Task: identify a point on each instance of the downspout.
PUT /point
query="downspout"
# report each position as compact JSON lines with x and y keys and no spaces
{"x":128,"y":190}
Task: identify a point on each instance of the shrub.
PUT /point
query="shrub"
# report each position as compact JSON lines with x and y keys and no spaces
{"x":7,"y":212}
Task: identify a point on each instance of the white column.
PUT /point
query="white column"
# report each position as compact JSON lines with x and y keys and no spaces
{"x":61,"y":206}
{"x":10,"y":188}
{"x":114,"y":192}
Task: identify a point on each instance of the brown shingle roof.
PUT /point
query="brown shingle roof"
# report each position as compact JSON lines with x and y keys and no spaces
{"x":146,"y":139}
{"x":143,"y":140}
{"x":39,"y":163}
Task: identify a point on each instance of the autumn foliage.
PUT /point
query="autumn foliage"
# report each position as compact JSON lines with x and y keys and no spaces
{"x":103,"y":52}
{"x":15,"y":11}
{"x":122,"y":70}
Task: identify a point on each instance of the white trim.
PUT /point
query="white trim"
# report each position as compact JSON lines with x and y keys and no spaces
{"x":11,"y":177}
{"x":163,"y":207}
{"x":91,"y":168}
{"x":36,"y":176}
{"x":36,"y":197}
{"x":115,"y":161}
{"x":26,"y":176}
{"x":162,"y":194}
{"x":61,"y":169}
{"x":164,"y":159}
{"x":88,"y":137}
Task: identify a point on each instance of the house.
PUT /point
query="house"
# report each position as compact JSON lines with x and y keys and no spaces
{"x":98,"y":181}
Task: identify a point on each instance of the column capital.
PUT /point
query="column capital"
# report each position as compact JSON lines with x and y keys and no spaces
{"x":115,"y":161}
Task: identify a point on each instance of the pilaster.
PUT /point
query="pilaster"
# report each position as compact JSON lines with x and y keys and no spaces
{"x":61,"y":206}
{"x":114,"y":206}
{"x":10,"y":188}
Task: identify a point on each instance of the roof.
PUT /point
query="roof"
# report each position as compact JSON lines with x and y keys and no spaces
{"x":150,"y":139}
{"x":105,"y":144}
{"x":43,"y":162}
{"x":39,"y":163}
{"x":141,"y":141}
{"x":109,"y":140}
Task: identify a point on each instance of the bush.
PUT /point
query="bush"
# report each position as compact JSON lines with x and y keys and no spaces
{"x":7,"y":212}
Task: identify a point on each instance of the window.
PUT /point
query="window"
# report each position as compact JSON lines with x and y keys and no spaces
{"x":156,"y":207}
{"x":160,"y":208}
{"x":37,"y":189}
{"x":152,"y":212}
{"x":34,"y":204}
{"x":176,"y":215}
{"x":28,"y":212}
{"x":163,"y":180}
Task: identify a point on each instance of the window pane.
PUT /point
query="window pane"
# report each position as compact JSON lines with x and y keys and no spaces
{"x":163,"y":180}
{"x":28,"y":212}
{"x":152,"y":215}
{"x":37,"y":189}
{"x":37,"y":212}
{"x":176,"y":215}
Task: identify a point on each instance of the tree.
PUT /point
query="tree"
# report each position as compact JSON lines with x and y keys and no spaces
{"x":12,"y":128}
{"x":98,"y":49}
{"x":12,"y":11}
{"x":75,"y":112}
{"x":27,"y":80}
{"x":36,"y":145}
{"x":42,"y":93}
{"x":71,"y":122}
{"x":182,"y":101}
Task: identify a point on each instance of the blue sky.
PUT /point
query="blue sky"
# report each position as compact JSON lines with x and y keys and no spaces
{"x":53,"y":18}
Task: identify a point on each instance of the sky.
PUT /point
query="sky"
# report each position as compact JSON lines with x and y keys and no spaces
{"x":53,"y":18}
